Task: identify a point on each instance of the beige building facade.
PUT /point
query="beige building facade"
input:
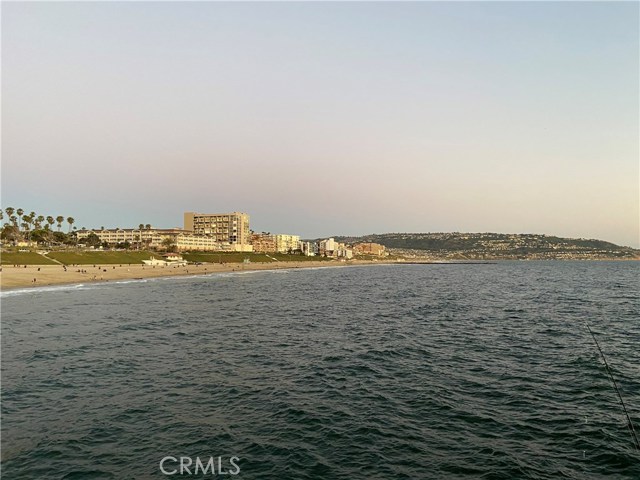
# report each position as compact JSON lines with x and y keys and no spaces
{"x":231,"y":228}
{"x":263,"y":242}
{"x":153,"y":238}
{"x":369,"y":249}
{"x":287,"y":243}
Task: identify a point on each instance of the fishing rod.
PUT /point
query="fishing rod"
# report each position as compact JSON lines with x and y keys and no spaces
{"x":629,"y":424}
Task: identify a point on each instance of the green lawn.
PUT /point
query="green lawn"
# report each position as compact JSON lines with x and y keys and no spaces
{"x":283,"y":257}
{"x":136,"y":257}
{"x":24,"y":258}
{"x":102,"y":258}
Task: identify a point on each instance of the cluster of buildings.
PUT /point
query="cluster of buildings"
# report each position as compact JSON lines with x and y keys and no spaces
{"x":226,"y":232}
{"x":280,"y":243}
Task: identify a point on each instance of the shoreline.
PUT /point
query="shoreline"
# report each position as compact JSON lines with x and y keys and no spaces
{"x":22,"y":277}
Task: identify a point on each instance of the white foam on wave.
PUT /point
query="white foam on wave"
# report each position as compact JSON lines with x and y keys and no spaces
{"x":316,"y":268}
{"x":52,"y":288}
{"x":248,"y":272}
{"x":125,"y":282}
{"x":82,"y":286}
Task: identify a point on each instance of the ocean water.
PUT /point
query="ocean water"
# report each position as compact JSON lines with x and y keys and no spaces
{"x":398,"y":371}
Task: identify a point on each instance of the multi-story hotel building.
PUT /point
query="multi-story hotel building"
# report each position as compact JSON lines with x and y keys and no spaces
{"x":231,"y":228}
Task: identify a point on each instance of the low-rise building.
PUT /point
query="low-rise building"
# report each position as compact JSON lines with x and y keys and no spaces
{"x":160,"y":238}
{"x":369,"y":249}
{"x":186,"y":242}
{"x":143,"y":237}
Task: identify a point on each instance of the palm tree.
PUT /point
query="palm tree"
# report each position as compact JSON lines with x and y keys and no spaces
{"x":19,"y":211}
{"x":70,"y":221}
{"x":168,"y":243}
{"x":27,"y":225}
{"x":39,"y":220}
{"x":59,"y":220}
{"x":140,"y":227}
{"x":50,"y":221}
{"x":32,"y":216}
{"x":9,"y":211}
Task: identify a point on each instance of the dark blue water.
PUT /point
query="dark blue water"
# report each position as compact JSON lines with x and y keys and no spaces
{"x":414,"y":371}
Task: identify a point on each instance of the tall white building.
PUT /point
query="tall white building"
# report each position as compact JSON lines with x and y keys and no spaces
{"x":287,"y":243}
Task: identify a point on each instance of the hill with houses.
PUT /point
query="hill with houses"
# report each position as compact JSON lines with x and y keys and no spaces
{"x":495,"y":246}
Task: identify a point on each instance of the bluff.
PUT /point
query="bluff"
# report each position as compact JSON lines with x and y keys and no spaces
{"x":495,"y":245}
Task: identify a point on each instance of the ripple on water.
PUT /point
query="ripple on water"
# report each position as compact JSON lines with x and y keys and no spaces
{"x":477,"y":371}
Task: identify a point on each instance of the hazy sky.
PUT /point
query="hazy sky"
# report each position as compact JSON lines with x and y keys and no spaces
{"x":326,"y":118}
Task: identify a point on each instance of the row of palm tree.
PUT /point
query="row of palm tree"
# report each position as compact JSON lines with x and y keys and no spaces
{"x":26,"y":223}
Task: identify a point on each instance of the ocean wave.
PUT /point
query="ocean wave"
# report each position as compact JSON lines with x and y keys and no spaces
{"x":351,"y":373}
{"x":54,"y":288}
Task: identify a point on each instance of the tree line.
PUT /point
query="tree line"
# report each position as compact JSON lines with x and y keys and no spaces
{"x":18,"y":225}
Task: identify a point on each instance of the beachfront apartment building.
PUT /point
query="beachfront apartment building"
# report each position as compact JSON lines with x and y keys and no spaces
{"x":287,"y":243}
{"x":263,"y":242}
{"x":309,"y":249}
{"x":281,"y":243}
{"x":225,"y":228}
{"x":327,"y":247}
{"x":330,"y":248}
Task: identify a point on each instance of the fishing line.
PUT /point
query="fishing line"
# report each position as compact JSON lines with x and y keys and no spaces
{"x":629,"y":423}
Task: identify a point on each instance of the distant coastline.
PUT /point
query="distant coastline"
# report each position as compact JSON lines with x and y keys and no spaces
{"x":495,"y":246}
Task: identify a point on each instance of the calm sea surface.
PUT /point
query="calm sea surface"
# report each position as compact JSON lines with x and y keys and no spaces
{"x":400,"y":371}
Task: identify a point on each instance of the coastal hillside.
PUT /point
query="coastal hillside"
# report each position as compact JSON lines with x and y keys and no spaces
{"x":495,"y":245}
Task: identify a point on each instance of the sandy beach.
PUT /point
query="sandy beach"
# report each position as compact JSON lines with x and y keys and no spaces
{"x":12,"y":277}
